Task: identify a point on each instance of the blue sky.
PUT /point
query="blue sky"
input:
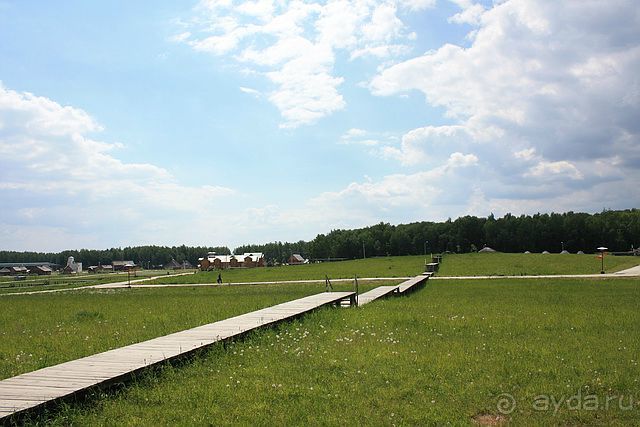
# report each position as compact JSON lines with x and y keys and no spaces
{"x":227,"y":122}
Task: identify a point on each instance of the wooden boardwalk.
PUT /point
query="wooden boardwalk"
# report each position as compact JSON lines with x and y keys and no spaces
{"x":412,"y":284}
{"x":36,"y":389}
{"x":379,"y":292}
{"x":384,"y":291}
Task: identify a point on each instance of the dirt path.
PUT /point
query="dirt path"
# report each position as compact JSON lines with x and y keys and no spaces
{"x":124,"y":284}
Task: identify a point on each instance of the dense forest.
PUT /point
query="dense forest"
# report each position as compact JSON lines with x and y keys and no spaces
{"x":617,"y":230}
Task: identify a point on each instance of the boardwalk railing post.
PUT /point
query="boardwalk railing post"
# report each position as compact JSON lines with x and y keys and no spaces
{"x":355,"y":283}
{"x":327,"y":284}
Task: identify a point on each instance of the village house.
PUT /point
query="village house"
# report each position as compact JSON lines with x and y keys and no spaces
{"x":175,"y":265}
{"x":41,"y":270}
{"x":100,"y":269}
{"x":247,"y":260}
{"x":18,"y":270}
{"x":7,"y":268}
{"x":296,"y":259}
{"x":124,"y":265}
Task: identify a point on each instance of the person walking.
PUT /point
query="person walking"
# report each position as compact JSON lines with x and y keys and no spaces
{"x":219,"y":279}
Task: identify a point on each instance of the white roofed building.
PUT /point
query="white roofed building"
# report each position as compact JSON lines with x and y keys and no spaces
{"x":246,"y":260}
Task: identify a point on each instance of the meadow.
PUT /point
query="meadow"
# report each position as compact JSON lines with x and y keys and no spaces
{"x":9,"y":284}
{"x":405,"y":266}
{"x":41,"y":330}
{"x":501,"y":264}
{"x":473,"y":264}
{"x":445,"y":354}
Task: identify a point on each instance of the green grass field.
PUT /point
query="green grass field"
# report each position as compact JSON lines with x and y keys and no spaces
{"x":452,"y":265}
{"x":62,"y":281}
{"x":45,"y":329}
{"x":370,"y":267}
{"x":499,"y":264}
{"x":445,"y":354}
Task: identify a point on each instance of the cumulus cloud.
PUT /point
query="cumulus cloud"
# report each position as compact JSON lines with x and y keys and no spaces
{"x":294,"y":44}
{"x":421,"y":145}
{"x":546,"y":94}
{"x":551,"y":170}
{"x":250,"y":91}
{"x":56,"y":178}
{"x":470,"y":14}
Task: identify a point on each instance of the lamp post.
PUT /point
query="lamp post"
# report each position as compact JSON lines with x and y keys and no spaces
{"x":425,"y":247}
{"x":129,"y":266}
{"x":562,"y":243}
{"x":364,"y":252}
{"x":602,"y":249}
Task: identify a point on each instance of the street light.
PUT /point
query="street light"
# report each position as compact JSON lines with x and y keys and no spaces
{"x":129,"y":266}
{"x":562,"y":243}
{"x":602,"y":249}
{"x":425,"y":247}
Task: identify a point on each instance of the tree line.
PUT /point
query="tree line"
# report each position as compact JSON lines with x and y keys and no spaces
{"x":617,"y":230}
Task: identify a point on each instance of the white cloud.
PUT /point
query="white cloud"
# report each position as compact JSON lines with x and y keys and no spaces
{"x":384,"y":25}
{"x":471,"y":12}
{"x":57,"y":179}
{"x":459,"y":160}
{"x":553,"y":169}
{"x":354,"y":133}
{"x":380,"y":51}
{"x":547,"y":94}
{"x":420,"y":145}
{"x":294,"y":44}
{"x":526,"y":154}
{"x":355,"y":136}
{"x":395,"y":198}
{"x":250,"y":91}
{"x":417,"y":5}
{"x":181,"y":37}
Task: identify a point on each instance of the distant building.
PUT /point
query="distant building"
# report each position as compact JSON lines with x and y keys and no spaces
{"x":297,"y":259}
{"x":173,"y":265}
{"x":41,"y":270}
{"x":4,"y":271}
{"x":28,"y":265}
{"x":100,"y":269}
{"x":124,"y":265}
{"x":246,"y":260}
{"x":18,"y":270}
{"x":72,"y":266}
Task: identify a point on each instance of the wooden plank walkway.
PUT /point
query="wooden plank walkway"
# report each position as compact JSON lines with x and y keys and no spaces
{"x":404,"y":287}
{"x":373,"y":294}
{"x":35,"y":389}
{"x":412,"y":284}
